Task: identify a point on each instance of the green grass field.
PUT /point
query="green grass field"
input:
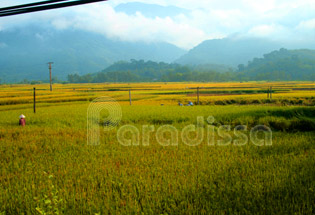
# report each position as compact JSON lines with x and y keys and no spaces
{"x":47,"y":167}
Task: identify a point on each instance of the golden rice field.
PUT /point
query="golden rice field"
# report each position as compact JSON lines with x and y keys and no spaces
{"x":166,"y":93}
{"x":47,"y":167}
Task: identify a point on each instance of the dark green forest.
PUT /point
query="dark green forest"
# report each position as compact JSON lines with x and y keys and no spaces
{"x":149,"y":71}
{"x":286,"y":65}
{"x":282,"y":65}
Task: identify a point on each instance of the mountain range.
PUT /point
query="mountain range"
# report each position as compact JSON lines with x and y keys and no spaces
{"x":24,"y":52}
{"x":228,"y":51}
{"x":233,"y":51}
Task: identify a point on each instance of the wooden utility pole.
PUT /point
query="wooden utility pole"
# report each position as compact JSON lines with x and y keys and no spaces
{"x":50,"y":75}
{"x":198,"y":95}
{"x":270,"y":92}
{"x":130,"y":96}
{"x":34,"y":100}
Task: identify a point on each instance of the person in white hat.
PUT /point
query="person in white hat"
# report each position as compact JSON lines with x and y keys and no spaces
{"x":22,"y":120}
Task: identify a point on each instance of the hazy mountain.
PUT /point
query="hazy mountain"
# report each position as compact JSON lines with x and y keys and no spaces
{"x":232,"y":52}
{"x":24,"y":52}
{"x":227,"y":51}
{"x":150,"y":10}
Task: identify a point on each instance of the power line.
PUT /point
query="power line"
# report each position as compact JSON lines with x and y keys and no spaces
{"x":40,"y":6}
{"x":30,"y":4}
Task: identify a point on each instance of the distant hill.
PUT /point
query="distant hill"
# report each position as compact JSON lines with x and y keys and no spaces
{"x":130,"y":71}
{"x":25,"y":51}
{"x":149,"y":71}
{"x":227,"y":51}
{"x":281,"y":65}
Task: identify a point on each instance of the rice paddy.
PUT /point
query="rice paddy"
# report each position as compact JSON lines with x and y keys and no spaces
{"x":47,"y":167}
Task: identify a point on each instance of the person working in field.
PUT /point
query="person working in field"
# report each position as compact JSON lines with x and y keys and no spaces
{"x":22,"y":120}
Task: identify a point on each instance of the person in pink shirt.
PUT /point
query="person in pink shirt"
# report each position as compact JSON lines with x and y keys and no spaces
{"x":22,"y":120}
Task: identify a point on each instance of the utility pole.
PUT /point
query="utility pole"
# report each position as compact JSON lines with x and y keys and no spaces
{"x":50,"y":75}
{"x":34,"y":100}
{"x":198,"y":95}
{"x":270,"y":92}
{"x":130,"y":96}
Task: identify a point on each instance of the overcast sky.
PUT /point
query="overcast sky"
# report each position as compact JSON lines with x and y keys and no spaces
{"x":284,"y":20}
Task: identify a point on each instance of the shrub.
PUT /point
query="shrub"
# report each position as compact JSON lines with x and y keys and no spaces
{"x":244,"y":102}
{"x":302,"y":125}
{"x":220,"y":102}
{"x":256,"y":101}
{"x":285,"y":102}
